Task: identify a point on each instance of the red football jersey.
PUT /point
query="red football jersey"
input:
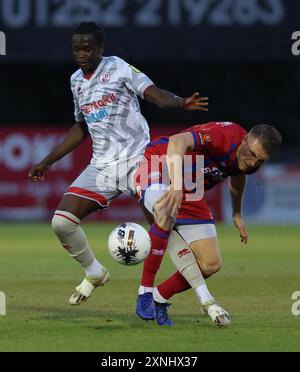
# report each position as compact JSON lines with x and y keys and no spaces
{"x":218,"y":142}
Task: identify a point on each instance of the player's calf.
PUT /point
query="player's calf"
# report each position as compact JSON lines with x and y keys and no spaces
{"x":159,"y":234}
{"x":207,"y":253}
{"x":159,"y":242}
{"x":67,"y":228}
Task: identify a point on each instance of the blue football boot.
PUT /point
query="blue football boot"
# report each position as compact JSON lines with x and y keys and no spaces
{"x":162,"y":317}
{"x":145,"y":308}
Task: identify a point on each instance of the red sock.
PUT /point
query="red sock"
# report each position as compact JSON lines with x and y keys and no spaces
{"x":159,"y":244}
{"x":175,"y":284}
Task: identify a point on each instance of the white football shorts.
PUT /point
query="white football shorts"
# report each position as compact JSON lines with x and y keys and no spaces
{"x":191,"y":233}
{"x":104,"y":184}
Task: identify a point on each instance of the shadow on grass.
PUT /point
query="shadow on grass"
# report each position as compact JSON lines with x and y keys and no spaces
{"x":108,"y":318}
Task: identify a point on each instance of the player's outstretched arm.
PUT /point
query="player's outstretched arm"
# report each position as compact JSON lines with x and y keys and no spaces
{"x":73,"y":139}
{"x":237,"y":188}
{"x":164,"y":99}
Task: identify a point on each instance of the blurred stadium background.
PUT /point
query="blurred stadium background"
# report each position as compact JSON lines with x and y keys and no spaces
{"x":238,"y":53}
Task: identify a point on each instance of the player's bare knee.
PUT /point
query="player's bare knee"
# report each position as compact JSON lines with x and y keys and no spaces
{"x":218,"y":265}
{"x":209,"y":269}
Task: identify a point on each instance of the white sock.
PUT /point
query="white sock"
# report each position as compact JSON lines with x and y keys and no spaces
{"x":203,"y":294}
{"x":95,"y":269}
{"x":143,"y":290}
{"x":157,"y":297}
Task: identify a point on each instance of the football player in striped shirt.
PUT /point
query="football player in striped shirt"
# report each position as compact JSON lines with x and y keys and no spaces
{"x":106,"y":108}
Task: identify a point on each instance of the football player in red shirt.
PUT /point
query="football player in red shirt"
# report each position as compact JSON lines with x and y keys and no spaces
{"x":182,"y":219}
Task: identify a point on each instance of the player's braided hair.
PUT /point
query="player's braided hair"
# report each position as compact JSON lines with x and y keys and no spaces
{"x":269,"y":138}
{"x":91,"y":28}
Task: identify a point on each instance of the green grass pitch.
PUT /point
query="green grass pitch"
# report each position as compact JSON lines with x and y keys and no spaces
{"x":255,"y":285}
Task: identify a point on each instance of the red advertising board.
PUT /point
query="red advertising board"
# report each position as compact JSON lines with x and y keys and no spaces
{"x":20,"y":198}
{"x":20,"y":149}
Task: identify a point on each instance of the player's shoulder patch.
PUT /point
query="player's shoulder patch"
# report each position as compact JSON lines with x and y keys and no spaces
{"x":122,"y":65}
{"x":134,"y":69}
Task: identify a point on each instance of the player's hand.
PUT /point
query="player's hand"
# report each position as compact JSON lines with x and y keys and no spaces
{"x":170,"y":202}
{"x":195,"y":102}
{"x":36,"y":173}
{"x":240,"y":225}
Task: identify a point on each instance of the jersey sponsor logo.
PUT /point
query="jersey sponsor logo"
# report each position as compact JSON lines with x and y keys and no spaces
{"x":214,"y":173}
{"x":225,"y":123}
{"x":96,"y":105}
{"x":96,"y":117}
{"x":104,"y":78}
{"x":183,"y":252}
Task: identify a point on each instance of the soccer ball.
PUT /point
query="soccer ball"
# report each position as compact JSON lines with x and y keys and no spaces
{"x":129,"y":244}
